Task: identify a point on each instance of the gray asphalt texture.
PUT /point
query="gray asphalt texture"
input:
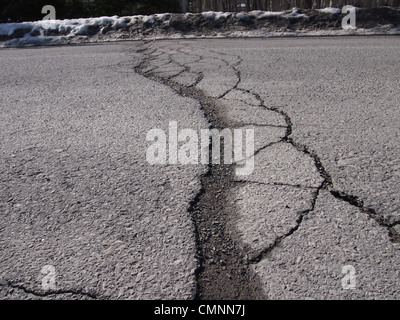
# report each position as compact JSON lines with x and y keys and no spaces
{"x":76,"y":190}
{"x":78,"y":194}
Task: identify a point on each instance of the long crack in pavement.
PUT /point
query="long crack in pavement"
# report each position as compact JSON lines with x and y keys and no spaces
{"x":223,"y":272}
{"x":233,"y":247}
{"x":64,"y":294}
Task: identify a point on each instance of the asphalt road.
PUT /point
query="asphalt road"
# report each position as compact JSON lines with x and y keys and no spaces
{"x":76,"y":190}
{"x":317,"y":218}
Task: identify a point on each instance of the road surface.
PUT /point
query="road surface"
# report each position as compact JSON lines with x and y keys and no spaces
{"x":85,"y":215}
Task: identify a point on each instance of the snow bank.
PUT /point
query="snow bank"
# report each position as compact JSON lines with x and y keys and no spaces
{"x":265,"y":14}
{"x":211,"y":24}
{"x":73,"y":27}
{"x":59,"y":31}
{"x":330,"y":10}
{"x":217,"y":15}
{"x":381,"y":30}
{"x":293,"y":14}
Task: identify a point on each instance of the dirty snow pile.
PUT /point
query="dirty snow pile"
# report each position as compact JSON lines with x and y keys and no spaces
{"x":294,"y":14}
{"x":47,"y":31}
{"x":212,"y":24}
{"x":330,"y":10}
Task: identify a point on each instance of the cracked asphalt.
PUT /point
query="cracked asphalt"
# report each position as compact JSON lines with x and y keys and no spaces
{"x":78,"y":194}
{"x":76,"y":190}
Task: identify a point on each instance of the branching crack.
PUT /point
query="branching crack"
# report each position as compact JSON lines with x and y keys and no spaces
{"x":47,"y":293}
{"x":223,"y":273}
{"x":356,"y":202}
{"x":208,"y":208}
{"x":268,"y":250}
